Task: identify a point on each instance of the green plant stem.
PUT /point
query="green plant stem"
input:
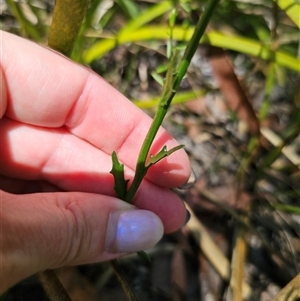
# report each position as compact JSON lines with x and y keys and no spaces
{"x":67,"y":18}
{"x":193,"y":45}
{"x":141,"y":169}
{"x":173,"y":80}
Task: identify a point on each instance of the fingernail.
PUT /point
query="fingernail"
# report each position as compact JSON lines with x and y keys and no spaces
{"x":190,"y":181}
{"x":132,"y":230}
{"x":188,"y":216}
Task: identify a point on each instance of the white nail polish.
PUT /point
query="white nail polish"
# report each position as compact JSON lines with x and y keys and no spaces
{"x":133,"y":230}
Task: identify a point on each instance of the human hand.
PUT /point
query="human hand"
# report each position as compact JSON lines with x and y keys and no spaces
{"x":60,"y":123}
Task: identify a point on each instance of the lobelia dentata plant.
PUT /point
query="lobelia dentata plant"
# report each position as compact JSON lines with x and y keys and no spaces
{"x":67,"y":17}
{"x":174,"y":76}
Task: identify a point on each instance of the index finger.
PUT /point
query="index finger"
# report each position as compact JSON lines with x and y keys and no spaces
{"x":46,"y":89}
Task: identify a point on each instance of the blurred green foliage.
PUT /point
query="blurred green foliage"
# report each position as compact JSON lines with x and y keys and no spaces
{"x":266,"y":25}
{"x":266,"y":31}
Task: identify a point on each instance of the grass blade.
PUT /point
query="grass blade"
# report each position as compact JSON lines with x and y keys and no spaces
{"x":292,"y":9}
{"x":232,"y":42}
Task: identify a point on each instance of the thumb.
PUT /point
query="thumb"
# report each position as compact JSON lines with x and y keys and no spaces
{"x":49,"y":230}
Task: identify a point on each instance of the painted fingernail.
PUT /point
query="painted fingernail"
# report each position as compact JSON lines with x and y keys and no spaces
{"x":190,"y":181}
{"x":188,"y":216}
{"x":132,"y":230}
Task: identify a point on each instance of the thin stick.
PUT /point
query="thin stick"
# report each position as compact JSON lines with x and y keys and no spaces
{"x":53,"y":287}
{"x":127,"y":288}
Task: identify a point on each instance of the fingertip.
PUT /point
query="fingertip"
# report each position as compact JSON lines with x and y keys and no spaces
{"x":164,"y":203}
{"x":3,"y":93}
{"x":132,"y":231}
{"x":190,"y":182}
{"x":179,"y":217}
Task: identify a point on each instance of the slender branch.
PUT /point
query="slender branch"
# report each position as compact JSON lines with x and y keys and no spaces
{"x":141,"y":168}
{"x":53,"y":287}
{"x":193,"y":45}
{"x":124,"y":281}
{"x":173,"y":80}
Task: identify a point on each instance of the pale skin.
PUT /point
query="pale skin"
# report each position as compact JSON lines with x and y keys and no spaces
{"x":59,"y":124}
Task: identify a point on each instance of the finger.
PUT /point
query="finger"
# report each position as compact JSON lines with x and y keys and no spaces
{"x":18,"y":186}
{"x":49,"y":153}
{"x":3,"y":93}
{"x":75,"y":165}
{"x":47,"y":90}
{"x":68,"y":229}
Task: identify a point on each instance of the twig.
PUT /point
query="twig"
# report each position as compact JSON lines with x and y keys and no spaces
{"x":289,"y":151}
{"x":127,"y":288}
{"x":212,"y":252}
{"x":238,"y":261}
{"x":210,"y":197}
{"x":291,"y":292}
{"x":53,"y":287}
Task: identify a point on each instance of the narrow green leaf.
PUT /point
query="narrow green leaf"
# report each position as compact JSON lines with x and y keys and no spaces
{"x":169,"y":48}
{"x":287,"y":208}
{"x":162,"y":68}
{"x":263,"y":112}
{"x":144,"y":255}
{"x":118,"y":173}
{"x":26,"y":27}
{"x":169,"y":81}
{"x":214,"y":38}
{"x":291,"y":8}
{"x":270,"y":158}
{"x":162,"y":154}
{"x":172,"y":17}
{"x":158,"y":78}
{"x":148,"y":15}
{"x":129,"y":7}
{"x":179,"y":98}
